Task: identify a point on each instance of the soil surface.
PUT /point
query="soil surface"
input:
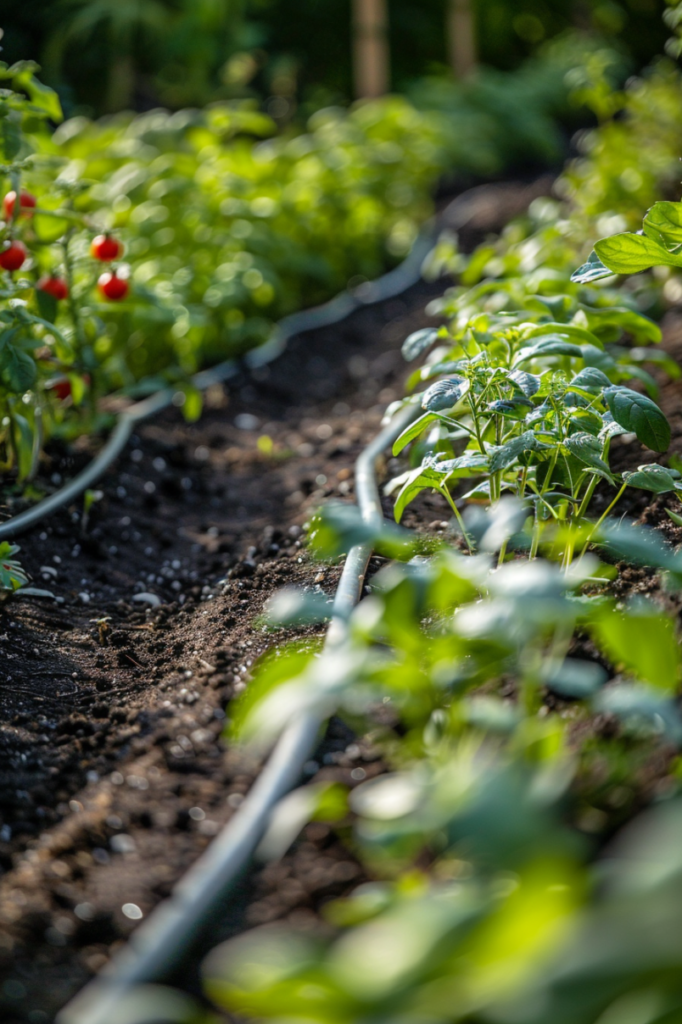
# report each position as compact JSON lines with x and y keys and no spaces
{"x":114,"y":776}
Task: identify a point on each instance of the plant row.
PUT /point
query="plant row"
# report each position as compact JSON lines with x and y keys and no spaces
{"x":524,"y":710}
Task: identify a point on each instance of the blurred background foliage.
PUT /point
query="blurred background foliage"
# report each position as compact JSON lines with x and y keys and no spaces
{"x":109,"y":55}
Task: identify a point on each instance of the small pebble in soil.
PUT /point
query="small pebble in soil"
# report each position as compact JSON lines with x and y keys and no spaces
{"x":132,"y":911}
{"x":84,"y":911}
{"x":122,"y":843}
{"x":246,"y":421}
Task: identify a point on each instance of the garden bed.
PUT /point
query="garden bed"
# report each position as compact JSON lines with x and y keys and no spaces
{"x":114,"y":775}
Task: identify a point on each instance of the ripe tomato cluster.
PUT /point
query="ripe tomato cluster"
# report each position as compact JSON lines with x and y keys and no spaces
{"x":106,"y":248}
{"x":112,"y":284}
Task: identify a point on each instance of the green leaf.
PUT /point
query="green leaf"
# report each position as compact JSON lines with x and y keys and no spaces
{"x":586,"y":420}
{"x":591,"y":271}
{"x":594,"y":357}
{"x":47,"y":305}
{"x":529,"y":383}
{"x":665,"y":219}
{"x":18,"y":370}
{"x":10,"y":139}
{"x":49,"y":228}
{"x":631,"y":254}
{"x":515,"y":408}
{"x":588,"y":450}
{"x":24,"y":441}
{"x":590,"y":379}
{"x":677,"y":519}
{"x":637,"y":544}
{"x":469,"y":464}
{"x":444,"y":394}
{"x":639,"y":414}
{"x":508,"y":453}
{"x":643,"y":640}
{"x":42,"y":96}
{"x":657,"y":356}
{"x":193,"y":404}
{"x":618,"y":319}
{"x":566,"y":332}
{"x":418,"y":480}
{"x":553,"y":346}
{"x":418,"y":342}
{"x":630,"y":370}
{"x":651,"y":478}
{"x":414,"y":430}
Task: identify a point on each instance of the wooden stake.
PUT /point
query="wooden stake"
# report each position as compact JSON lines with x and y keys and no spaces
{"x":370,"y":44}
{"x":462,"y":37}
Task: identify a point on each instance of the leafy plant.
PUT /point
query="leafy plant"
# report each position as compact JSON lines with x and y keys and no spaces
{"x":12,"y":576}
{"x":530,"y":403}
{"x":459,"y":654}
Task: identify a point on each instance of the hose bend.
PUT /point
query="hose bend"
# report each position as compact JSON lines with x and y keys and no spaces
{"x":159,"y":945}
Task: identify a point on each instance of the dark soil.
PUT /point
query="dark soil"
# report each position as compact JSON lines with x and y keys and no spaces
{"x":114,"y":776}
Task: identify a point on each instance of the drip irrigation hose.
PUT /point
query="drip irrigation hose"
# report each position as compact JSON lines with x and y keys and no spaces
{"x":164,"y":940}
{"x":169,"y":934}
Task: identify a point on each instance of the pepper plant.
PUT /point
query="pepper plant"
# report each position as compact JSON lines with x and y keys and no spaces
{"x":471,"y":832}
{"x":527,"y":401}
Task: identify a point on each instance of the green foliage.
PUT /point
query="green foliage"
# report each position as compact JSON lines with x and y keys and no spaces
{"x":542,"y":432}
{"x":226,"y":234}
{"x":12,"y":576}
{"x":476,"y":797}
{"x":491,"y":669}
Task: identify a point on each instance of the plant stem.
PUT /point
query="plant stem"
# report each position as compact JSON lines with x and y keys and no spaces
{"x":477,"y":429}
{"x":448,"y":497}
{"x":587,"y":498}
{"x":603,"y":517}
{"x":535,"y":541}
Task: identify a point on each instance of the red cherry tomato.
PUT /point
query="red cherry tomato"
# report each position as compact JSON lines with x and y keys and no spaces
{"x":62,"y":389}
{"x":113,"y":287}
{"x":13,"y":256}
{"x":105,"y":248}
{"x":27,"y":202}
{"x":54,"y":286}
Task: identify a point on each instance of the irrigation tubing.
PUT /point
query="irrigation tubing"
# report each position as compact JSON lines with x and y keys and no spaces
{"x":161,"y":944}
{"x":171,"y":932}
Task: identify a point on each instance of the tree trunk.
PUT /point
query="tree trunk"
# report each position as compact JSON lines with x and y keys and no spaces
{"x":371,"y":54}
{"x":462,"y":37}
{"x":121,"y":85}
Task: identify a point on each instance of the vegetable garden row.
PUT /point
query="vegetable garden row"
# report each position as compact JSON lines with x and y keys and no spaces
{"x":513,"y":684}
